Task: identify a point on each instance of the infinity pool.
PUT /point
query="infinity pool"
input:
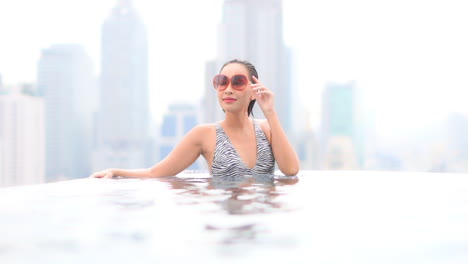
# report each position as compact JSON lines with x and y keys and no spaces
{"x":317,"y":217}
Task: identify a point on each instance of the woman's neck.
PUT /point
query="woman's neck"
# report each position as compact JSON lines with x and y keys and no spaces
{"x":239,"y":121}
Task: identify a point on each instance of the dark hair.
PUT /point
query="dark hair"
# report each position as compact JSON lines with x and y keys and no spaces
{"x":252,"y":72}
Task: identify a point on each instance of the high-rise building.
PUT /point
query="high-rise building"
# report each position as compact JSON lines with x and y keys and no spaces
{"x":457,"y":142}
{"x":338,"y":110}
{"x":22,"y":139}
{"x":253,"y":30}
{"x":123,"y":117}
{"x":177,"y":122}
{"x":338,"y":149}
{"x":306,"y":145}
{"x":66,"y":80}
{"x":2,"y":88}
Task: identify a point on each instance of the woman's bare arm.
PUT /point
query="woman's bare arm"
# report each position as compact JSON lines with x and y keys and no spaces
{"x":183,"y":155}
{"x":285,"y":155}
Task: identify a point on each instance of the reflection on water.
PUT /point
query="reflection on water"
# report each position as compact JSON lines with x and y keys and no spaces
{"x":243,"y":195}
{"x":249,"y":195}
{"x":367,"y":217}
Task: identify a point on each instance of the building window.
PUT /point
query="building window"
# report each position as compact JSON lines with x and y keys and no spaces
{"x":189,"y":123}
{"x":169,"y":126}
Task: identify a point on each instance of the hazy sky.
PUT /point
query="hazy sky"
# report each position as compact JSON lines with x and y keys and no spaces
{"x":409,"y":56}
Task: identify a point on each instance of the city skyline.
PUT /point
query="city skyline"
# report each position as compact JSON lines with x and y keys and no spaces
{"x":64,"y":77}
{"x":253,"y":31}
{"x":410,"y":56}
{"x":123,"y":114}
{"x":375,"y":122}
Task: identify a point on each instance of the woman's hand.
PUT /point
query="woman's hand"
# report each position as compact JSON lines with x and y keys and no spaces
{"x":108,"y":174}
{"x":285,"y":155}
{"x":264,"y":97}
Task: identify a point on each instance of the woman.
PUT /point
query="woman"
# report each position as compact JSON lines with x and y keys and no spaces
{"x":238,"y":145}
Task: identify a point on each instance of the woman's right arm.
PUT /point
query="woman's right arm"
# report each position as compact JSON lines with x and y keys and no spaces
{"x":182,"y":156}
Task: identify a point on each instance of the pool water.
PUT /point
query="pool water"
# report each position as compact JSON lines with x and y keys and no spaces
{"x":316,"y":217}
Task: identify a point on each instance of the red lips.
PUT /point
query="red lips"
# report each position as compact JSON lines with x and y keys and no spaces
{"x":229,"y":99}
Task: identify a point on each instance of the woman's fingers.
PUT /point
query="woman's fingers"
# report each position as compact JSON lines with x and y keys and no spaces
{"x":102,"y":174}
{"x":95,"y":175}
{"x":259,"y":88}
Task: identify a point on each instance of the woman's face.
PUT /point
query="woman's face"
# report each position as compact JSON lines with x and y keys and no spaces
{"x":232,"y":100}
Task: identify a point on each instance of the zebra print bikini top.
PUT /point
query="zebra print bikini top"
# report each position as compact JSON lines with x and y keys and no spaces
{"x":227,"y":162}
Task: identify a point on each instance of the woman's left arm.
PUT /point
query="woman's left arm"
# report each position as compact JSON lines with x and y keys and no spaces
{"x":285,"y":156}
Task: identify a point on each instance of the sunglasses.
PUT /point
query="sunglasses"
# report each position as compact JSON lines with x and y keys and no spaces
{"x":238,"y":82}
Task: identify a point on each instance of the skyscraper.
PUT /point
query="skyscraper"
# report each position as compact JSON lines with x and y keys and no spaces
{"x":457,"y":142}
{"x":22,"y":139}
{"x":2,"y":88}
{"x":253,"y":30}
{"x":338,"y":127}
{"x":338,"y":110}
{"x":177,"y":122}
{"x":122,"y":134}
{"x":66,"y":80}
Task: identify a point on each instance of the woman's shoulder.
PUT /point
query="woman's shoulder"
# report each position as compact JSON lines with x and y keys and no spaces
{"x":204,"y":128}
{"x":263,"y":123}
{"x":200,"y":134}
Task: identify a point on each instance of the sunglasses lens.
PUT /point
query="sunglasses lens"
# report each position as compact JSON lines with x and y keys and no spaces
{"x":239,"y":82}
{"x":220,"y":81}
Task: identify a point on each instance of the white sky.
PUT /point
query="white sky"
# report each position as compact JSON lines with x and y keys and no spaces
{"x":410,"y":56}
